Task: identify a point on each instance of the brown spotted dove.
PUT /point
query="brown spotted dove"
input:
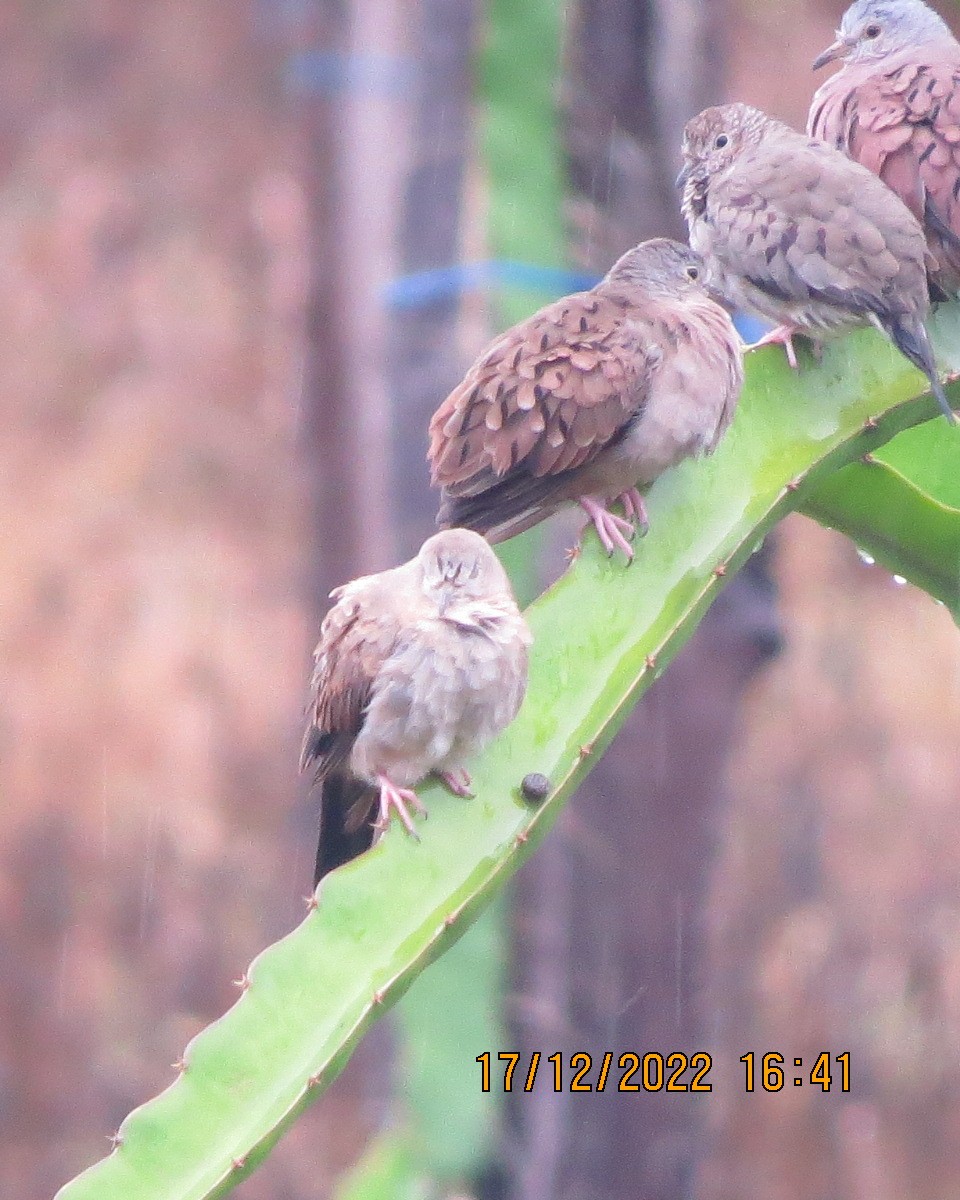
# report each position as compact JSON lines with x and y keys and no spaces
{"x":591,"y":397}
{"x":894,"y":106}
{"x":416,"y":669}
{"x":802,"y":236}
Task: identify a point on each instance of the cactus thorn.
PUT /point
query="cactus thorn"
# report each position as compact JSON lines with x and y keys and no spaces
{"x":522,"y":837}
{"x":179,"y":1066}
{"x":586,"y":750}
{"x":311,"y":902}
{"x":239,"y":1163}
{"x":793,"y":485}
{"x":243,"y":982}
{"x":870,"y":423}
{"x":650,"y":662}
{"x":115,"y":1140}
{"x":378,"y":997}
{"x":314,"y":1080}
{"x":572,"y":553}
{"x":720,"y":570}
{"x":869,"y":459}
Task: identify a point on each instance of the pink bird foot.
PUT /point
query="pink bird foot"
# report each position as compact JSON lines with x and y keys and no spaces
{"x":392,"y":797}
{"x":781,"y":336}
{"x":635,"y":509}
{"x":610,"y":528}
{"x":458,"y":781}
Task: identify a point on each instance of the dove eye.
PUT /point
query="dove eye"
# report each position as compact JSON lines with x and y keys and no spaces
{"x":720,"y":141}
{"x":872,"y":31}
{"x":693,"y":272}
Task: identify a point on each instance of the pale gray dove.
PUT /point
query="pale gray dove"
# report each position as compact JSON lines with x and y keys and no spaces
{"x":894,"y":106}
{"x":591,"y":397}
{"x":416,"y":669}
{"x":802,"y":236}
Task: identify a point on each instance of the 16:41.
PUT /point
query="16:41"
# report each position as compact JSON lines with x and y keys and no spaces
{"x":773,"y":1075}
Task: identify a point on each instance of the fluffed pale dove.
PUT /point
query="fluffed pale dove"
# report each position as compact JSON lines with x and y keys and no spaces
{"x":416,"y":669}
{"x":797,"y":233}
{"x":590,"y":398}
{"x":894,"y":106}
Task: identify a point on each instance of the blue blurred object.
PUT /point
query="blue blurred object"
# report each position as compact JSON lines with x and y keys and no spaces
{"x":440,"y":283}
{"x":313,"y":71}
{"x":750,"y":328}
{"x":426,"y":287}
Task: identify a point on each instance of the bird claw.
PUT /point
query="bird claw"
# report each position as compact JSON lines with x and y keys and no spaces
{"x":458,"y":781}
{"x":610,"y":528}
{"x":615,"y":533}
{"x":392,"y":797}
{"x":636,"y":510}
{"x":781,"y":336}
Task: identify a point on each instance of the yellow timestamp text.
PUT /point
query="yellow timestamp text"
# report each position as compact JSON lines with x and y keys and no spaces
{"x":772,"y":1072}
{"x":583,"y":1072}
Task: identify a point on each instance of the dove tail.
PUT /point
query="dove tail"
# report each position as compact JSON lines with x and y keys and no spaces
{"x":345,"y":831}
{"x":506,"y":508}
{"x":910,"y":337}
{"x":944,"y":280}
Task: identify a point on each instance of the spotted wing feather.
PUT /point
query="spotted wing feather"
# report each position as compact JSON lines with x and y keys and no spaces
{"x":903,"y":124}
{"x":540,"y":405}
{"x":356,"y":637}
{"x":802,"y":225}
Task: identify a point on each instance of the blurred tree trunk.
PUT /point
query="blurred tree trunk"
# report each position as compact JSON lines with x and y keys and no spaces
{"x":353,"y":84}
{"x":424,"y":360}
{"x":638,"y":70}
{"x":330,"y":433}
{"x":354,"y":80}
{"x":395,"y":143}
{"x":610,"y":914}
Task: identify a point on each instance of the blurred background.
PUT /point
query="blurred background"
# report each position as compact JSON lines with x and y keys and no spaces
{"x":245,"y":250}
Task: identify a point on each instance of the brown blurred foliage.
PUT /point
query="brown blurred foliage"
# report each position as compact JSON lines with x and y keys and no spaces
{"x":835,"y":914}
{"x":153,"y":633}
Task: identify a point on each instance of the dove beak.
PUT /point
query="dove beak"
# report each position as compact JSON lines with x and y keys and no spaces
{"x":681,"y":180}
{"x":831,"y":54}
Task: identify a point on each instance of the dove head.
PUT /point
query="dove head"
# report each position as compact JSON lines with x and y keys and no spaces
{"x":458,"y":564}
{"x":873,"y":29}
{"x":660,"y":266}
{"x":713,"y":139}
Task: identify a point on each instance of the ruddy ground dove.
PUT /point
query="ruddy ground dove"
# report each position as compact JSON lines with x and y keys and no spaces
{"x":591,"y":397}
{"x":416,"y":669}
{"x":797,"y":233}
{"x":894,"y":106}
